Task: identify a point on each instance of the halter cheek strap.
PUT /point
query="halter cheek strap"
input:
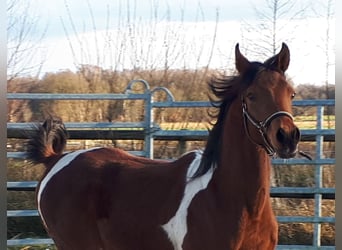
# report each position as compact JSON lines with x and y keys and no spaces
{"x":262,"y":126}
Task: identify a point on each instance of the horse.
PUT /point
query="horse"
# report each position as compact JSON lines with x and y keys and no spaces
{"x":215,"y":198}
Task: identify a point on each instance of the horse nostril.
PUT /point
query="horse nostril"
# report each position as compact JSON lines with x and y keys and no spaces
{"x":284,"y":137}
{"x":296,"y":134}
{"x":281,"y":135}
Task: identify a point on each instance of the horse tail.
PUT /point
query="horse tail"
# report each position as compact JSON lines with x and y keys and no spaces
{"x":48,"y":140}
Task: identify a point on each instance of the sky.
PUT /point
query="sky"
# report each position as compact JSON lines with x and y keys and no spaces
{"x":121,"y":34}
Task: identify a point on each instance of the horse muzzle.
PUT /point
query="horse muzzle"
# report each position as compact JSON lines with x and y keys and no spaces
{"x":285,"y":138}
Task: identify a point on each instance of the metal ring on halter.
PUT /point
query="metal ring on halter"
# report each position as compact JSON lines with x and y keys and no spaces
{"x":262,"y":126}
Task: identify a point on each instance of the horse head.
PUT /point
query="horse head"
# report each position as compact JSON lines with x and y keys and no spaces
{"x":267,"y":103}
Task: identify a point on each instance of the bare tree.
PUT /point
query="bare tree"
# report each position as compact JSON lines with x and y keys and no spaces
{"x":24,"y":40}
{"x":139,"y":44}
{"x":272,"y":18}
{"x":329,"y":15}
{"x":327,"y":41}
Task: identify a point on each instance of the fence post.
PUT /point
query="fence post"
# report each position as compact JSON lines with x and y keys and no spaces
{"x":148,"y":145}
{"x":318,"y":178}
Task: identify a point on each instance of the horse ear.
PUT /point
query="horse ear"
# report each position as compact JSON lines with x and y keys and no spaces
{"x":281,"y":60}
{"x":241,"y":62}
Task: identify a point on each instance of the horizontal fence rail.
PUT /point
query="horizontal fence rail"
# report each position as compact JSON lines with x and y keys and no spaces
{"x":148,"y":131}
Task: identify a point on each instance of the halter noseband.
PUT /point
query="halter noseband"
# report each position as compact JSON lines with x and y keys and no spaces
{"x":262,"y":126}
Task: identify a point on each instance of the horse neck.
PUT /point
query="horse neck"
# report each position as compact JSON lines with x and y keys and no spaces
{"x":243,"y":164}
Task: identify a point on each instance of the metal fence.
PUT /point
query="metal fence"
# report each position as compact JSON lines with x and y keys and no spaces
{"x":148,"y":131}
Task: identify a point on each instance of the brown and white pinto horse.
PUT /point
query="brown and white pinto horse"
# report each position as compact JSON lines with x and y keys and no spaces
{"x":105,"y":198}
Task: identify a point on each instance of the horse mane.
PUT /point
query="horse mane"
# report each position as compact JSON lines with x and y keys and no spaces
{"x":224,"y":89}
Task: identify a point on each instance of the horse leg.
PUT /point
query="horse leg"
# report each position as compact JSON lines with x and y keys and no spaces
{"x":262,"y":234}
{"x":118,"y":236}
{"x":78,"y":241}
{"x":73,"y":233}
{"x":268,"y":230}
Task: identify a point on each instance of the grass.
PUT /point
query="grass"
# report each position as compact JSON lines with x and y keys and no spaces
{"x":310,"y":122}
{"x":303,"y":122}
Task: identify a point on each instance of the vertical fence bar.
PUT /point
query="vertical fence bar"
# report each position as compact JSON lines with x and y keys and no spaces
{"x":318,"y":178}
{"x":148,"y":143}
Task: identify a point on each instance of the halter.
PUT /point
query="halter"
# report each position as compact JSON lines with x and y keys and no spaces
{"x":262,"y":126}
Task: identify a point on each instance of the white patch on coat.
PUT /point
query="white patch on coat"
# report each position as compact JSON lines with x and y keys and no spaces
{"x":62,"y":162}
{"x":176,"y":228}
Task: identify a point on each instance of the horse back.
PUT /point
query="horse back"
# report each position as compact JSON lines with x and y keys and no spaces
{"x":107,"y":190}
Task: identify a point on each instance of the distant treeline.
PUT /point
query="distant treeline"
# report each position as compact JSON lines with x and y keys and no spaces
{"x":185,"y":85}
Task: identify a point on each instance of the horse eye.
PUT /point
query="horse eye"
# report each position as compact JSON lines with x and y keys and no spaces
{"x":251,"y":96}
{"x":293,"y":95}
